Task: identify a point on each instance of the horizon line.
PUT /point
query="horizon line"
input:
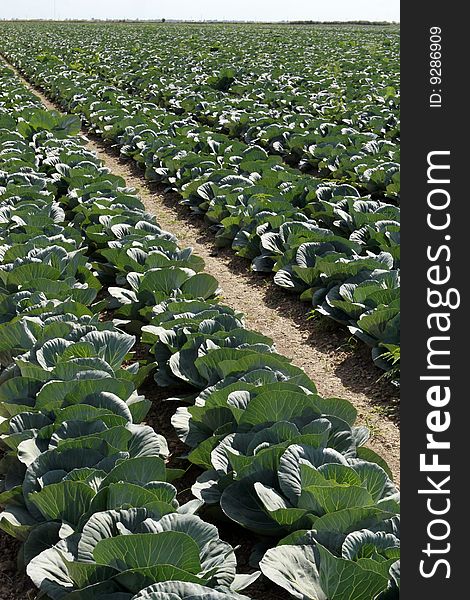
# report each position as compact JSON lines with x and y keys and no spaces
{"x":168,"y":20}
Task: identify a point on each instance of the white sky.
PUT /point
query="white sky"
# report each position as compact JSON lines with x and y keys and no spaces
{"x":269,"y":10}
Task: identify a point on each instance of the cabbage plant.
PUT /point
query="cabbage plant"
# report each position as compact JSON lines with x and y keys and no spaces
{"x":276,"y":488}
{"x":367,"y":567}
{"x":126,"y":551}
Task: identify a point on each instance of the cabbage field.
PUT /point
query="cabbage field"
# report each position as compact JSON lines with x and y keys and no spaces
{"x":287,"y":143}
{"x":286,"y":140}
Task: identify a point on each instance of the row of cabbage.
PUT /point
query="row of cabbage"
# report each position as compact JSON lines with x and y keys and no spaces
{"x":86,"y":486}
{"x":324,"y":241}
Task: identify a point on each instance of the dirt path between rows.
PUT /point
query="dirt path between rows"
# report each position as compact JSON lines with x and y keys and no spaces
{"x":340,"y":366}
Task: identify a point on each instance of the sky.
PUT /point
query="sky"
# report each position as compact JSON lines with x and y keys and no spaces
{"x":256,"y":10}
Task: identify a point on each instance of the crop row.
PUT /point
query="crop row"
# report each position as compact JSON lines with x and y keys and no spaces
{"x":86,"y":486}
{"x":324,"y":241}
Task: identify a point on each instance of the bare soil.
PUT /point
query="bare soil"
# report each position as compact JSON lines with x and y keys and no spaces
{"x":14,"y":585}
